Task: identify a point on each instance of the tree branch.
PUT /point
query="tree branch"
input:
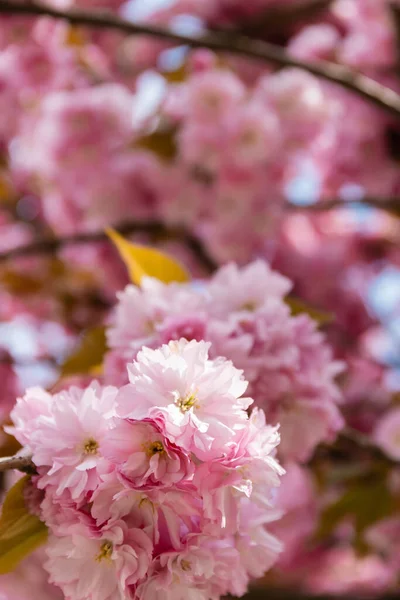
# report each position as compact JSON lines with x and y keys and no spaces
{"x":226,"y":41}
{"x":276,"y":19}
{"x":20,"y":462}
{"x":391,"y":205}
{"x":365,"y":443}
{"x":51,"y":245}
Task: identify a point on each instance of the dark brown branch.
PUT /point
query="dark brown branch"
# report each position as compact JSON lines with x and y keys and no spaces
{"x":364,"y":442}
{"x":391,"y":205}
{"x":275,"y":20}
{"x":154,"y":228}
{"x":20,"y":462}
{"x":218,"y":41}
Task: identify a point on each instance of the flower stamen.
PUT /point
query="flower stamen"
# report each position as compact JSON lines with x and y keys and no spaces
{"x":155,"y":448}
{"x":250,"y":306}
{"x":185,"y":565}
{"x":106,"y":550}
{"x":186,"y":403}
{"x":90,"y":446}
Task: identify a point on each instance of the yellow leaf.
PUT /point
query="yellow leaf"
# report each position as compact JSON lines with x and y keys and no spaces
{"x":89,"y":354}
{"x":142,"y":261}
{"x":176,"y":75}
{"x":74,"y":37}
{"x":20,"y":531}
{"x":161,"y":142}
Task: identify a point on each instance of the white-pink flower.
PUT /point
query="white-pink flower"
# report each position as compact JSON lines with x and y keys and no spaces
{"x":199,"y":400}
{"x":144,"y":456}
{"x":245,"y":290}
{"x":101,"y":567}
{"x":204,"y":568}
{"x":140,"y":312}
{"x":65,"y":440}
{"x":243,"y":313}
{"x":166,"y":482}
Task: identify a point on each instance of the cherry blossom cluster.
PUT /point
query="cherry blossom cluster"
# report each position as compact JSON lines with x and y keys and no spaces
{"x":243,"y":314}
{"x":139,"y":495}
{"x":240,"y":136}
{"x":162,"y":487}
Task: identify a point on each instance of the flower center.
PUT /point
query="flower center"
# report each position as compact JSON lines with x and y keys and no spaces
{"x":249,"y":137}
{"x":155,"y":448}
{"x":106,"y":550}
{"x":250,"y":306}
{"x":90,"y":446}
{"x":185,"y":565}
{"x":186,"y":403}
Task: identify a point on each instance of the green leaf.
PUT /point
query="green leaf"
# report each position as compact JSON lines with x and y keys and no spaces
{"x":88,"y":356}
{"x":299,"y":307}
{"x":142,"y":261}
{"x":365,"y":502}
{"x":20,"y":532}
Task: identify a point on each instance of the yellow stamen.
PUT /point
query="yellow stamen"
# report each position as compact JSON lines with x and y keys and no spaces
{"x":155,"y":448}
{"x":250,"y":306}
{"x":185,"y":565}
{"x":106,"y":550}
{"x":90,"y":446}
{"x":186,"y":403}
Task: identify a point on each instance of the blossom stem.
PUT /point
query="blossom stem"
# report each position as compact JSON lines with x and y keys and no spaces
{"x":225,"y":41}
{"x":51,"y":245}
{"x":20,"y":462}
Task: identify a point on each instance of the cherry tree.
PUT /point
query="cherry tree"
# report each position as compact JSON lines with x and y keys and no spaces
{"x":200,"y":298}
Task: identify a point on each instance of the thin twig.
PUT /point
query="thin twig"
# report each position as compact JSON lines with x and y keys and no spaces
{"x":20,"y":462}
{"x":218,"y":41}
{"x":388,"y":204}
{"x":51,"y":245}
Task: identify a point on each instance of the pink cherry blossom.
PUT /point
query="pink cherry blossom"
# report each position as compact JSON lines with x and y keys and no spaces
{"x":167,"y":479}
{"x":65,"y":439}
{"x":212,"y":93}
{"x":242,"y":312}
{"x":144,"y":456}
{"x":344,"y":572}
{"x":103,"y":567}
{"x":198,"y":399}
{"x":29,"y":575}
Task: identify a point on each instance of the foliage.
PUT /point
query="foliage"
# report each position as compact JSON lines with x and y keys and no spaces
{"x":20,"y":531}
